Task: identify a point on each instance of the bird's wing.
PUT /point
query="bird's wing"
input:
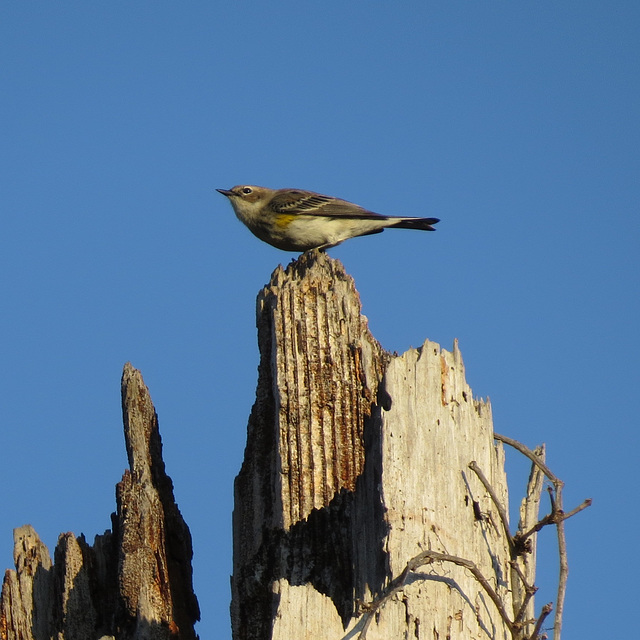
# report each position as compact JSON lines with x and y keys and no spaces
{"x":298,"y":202}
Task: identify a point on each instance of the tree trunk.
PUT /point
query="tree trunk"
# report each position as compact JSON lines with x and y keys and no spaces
{"x":356,"y":510}
{"x":134,"y":583}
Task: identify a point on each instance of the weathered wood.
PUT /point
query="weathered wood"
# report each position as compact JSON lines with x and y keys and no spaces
{"x":28,"y":584}
{"x":132,"y":584}
{"x":356,"y":462}
{"x":526,"y":562}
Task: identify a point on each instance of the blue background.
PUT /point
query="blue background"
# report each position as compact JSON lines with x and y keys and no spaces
{"x":515,"y":123}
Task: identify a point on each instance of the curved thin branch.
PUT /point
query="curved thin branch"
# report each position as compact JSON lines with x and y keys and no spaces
{"x":530,"y":591}
{"x":473,"y":465}
{"x":524,"y":450}
{"x":428,"y":557}
{"x":552,"y":518}
{"x":557,"y":517}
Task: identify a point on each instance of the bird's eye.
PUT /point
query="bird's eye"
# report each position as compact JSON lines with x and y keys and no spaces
{"x":247,"y":190}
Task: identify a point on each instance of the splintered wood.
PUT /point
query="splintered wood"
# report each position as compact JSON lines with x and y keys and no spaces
{"x":356,"y":462}
{"x":134,"y":583}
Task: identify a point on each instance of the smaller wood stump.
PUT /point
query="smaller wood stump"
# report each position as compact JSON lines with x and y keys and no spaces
{"x":135,"y":582}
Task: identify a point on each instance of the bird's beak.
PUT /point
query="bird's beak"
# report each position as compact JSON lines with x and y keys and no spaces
{"x":226,"y":192}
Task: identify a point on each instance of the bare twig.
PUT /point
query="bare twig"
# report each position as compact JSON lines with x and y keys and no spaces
{"x":548,"y":519}
{"x":557,"y":517}
{"x":546,"y":610}
{"x":524,"y":567}
{"x":529,"y":589}
{"x":394,"y":586}
{"x":523,"y":579}
{"x":564,"y":568}
{"x":524,"y":450}
{"x":428,"y":557}
{"x":501,"y":511}
{"x":552,"y":518}
{"x":580,"y":507}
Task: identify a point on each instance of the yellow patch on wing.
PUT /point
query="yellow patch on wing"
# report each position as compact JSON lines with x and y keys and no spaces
{"x":283,"y":220}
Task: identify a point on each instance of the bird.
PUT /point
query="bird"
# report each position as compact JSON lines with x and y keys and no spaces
{"x":299,"y":220}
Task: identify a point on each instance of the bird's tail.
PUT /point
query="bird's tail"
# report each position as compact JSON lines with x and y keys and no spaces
{"x":425,"y":224}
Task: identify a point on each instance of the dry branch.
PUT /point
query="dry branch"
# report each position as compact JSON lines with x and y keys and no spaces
{"x":425,"y":558}
{"x":504,"y":518}
{"x":557,"y":517}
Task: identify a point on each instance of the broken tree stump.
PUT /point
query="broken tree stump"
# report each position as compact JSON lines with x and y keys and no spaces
{"x":135,"y":582}
{"x":356,"y":512}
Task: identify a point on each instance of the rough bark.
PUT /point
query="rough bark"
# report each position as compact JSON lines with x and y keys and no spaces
{"x":134,"y":582}
{"x":356,"y":462}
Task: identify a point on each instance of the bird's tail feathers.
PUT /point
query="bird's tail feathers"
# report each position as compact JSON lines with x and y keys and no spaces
{"x":425,"y":224}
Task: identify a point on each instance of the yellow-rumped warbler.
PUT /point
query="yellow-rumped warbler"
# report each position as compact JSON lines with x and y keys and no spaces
{"x":297,"y":220}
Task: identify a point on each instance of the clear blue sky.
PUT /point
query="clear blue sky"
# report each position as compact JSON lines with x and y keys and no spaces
{"x":515,"y":123}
